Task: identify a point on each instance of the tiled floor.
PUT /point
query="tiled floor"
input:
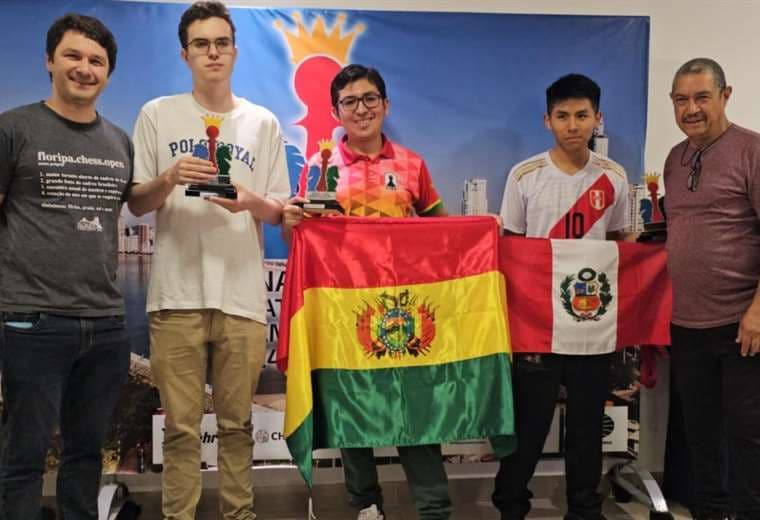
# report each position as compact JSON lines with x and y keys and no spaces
{"x":283,"y":498}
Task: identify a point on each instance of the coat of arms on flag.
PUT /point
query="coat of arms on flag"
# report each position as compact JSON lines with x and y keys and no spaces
{"x":585,"y":296}
{"x":374,"y":332}
{"x":396,"y":326}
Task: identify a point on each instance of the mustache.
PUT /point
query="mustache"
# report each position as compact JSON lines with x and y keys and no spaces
{"x":692,"y":118}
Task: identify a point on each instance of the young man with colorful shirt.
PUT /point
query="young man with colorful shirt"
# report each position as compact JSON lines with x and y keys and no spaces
{"x":568,"y":192}
{"x":376,"y":178}
{"x":64,"y":349}
{"x":206,"y":297}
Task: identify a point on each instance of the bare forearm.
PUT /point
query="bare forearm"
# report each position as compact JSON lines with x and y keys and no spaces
{"x":149,"y":196}
{"x":292,"y":215}
{"x":267,"y":210}
{"x":748,"y":334}
{"x":756,"y":299}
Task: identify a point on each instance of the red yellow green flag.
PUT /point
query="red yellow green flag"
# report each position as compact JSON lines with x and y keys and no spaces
{"x":393,"y":333}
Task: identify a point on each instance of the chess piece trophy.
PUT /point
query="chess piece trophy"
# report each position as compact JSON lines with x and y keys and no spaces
{"x":220,"y":157}
{"x":652,"y":211}
{"x":323,"y":198}
{"x":657,"y":221}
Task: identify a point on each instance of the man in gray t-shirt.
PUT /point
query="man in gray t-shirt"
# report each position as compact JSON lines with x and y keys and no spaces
{"x":64,"y":173}
{"x":712,"y":181}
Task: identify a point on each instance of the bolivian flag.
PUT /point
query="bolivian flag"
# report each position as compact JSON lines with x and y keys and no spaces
{"x":393,"y":333}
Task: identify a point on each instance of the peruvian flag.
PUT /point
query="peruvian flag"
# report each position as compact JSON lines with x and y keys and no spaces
{"x":585,"y":296}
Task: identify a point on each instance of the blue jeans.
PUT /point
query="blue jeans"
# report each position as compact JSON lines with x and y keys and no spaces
{"x":57,"y":370}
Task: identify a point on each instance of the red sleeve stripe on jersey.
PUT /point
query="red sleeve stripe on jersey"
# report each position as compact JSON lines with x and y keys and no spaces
{"x":586,"y":211}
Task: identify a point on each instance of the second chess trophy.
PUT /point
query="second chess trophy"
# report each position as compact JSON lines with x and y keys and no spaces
{"x":657,"y":220}
{"x":220,"y":157}
{"x":324,"y":197}
{"x":652,"y":210}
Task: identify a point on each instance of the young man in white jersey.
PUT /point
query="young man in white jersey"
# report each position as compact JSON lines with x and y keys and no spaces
{"x":206,"y":298}
{"x":567,"y":192}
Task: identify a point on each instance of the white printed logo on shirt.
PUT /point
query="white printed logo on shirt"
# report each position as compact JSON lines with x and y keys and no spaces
{"x":90,"y":225}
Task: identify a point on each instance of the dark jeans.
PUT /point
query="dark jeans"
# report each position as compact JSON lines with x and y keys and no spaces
{"x":57,"y":370}
{"x":424,"y":470}
{"x":535,"y":383}
{"x":720,"y":395}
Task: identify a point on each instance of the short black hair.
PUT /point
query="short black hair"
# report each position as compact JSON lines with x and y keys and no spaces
{"x":203,"y":11}
{"x":91,"y":27}
{"x":573,"y":86}
{"x":700,"y":65}
{"x":355,"y":72}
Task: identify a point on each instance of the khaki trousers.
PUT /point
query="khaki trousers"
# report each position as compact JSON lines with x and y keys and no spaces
{"x":182,"y":344}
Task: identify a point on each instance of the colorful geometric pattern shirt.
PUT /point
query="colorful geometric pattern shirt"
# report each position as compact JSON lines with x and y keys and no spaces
{"x":396,"y":183}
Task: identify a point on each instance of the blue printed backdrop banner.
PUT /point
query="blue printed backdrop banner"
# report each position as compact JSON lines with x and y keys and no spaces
{"x":467,"y":92}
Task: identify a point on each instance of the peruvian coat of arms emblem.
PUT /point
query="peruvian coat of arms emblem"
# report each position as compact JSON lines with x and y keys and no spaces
{"x":586,"y":295}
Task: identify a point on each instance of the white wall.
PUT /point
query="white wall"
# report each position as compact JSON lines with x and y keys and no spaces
{"x":725,"y":30}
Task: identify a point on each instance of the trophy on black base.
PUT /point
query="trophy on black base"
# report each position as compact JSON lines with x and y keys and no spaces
{"x":655,"y":227}
{"x":323,"y":198}
{"x":220,"y":157}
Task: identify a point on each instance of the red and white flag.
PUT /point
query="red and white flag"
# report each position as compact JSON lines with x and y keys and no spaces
{"x":585,"y":296}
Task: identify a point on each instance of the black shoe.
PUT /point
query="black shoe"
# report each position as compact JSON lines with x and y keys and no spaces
{"x":129,"y":511}
{"x":714,"y":515}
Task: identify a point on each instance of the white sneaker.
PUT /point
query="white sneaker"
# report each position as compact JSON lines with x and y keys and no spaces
{"x":370,"y":513}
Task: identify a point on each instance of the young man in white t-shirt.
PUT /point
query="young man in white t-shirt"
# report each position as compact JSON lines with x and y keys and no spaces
{"x":568,"y":192}
{"x":206,"y":297}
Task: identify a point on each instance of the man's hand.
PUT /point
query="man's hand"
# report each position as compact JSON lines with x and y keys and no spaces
{"x":151,"y":195}
{"x":245,"y":200}
{"x":499,"y":222}
{"x":190,"y":170}
{"x":292,"y":215}
{"x":749,"y":331}
{"x":262,"y":208}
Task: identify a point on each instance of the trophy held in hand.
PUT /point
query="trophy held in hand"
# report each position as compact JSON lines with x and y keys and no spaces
{"x":324,"y":197}
{"x":220,"y":157}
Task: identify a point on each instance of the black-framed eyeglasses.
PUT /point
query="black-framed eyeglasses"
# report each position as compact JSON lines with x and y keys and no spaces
{"x":223,"y":45}
{"x":692,"y":181}
{"x":370,"y":100}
